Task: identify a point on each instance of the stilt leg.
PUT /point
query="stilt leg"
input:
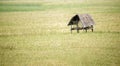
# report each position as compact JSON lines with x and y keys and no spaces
{"x":77,"y":29}
{"x":71,"y":29}
{"x":92,"y":30}
{"x":86,"y":30}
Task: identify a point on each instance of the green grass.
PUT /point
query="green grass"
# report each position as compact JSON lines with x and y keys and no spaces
{"x":36,"y":34}
{"x":42,"y":6}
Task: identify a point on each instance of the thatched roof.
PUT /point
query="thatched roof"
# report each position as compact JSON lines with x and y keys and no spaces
{"x":85,"y":19}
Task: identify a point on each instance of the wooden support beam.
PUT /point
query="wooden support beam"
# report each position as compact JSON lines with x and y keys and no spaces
{"x":77,"y":29}
{"x":86,"y":30}
{"x":71,"y":29}
{"x":92,"y":30}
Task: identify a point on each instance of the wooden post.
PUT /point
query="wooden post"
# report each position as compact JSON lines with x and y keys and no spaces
{"x":92,"y":28}
{"x":77,"y":28}
{"x":86,"y":30}
{"x":71,"y":29}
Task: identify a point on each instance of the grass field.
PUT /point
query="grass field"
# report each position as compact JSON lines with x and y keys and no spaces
{"x":35,"y":33}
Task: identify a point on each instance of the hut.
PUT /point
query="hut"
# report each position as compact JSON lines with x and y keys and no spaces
{"x":82,"y":22}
